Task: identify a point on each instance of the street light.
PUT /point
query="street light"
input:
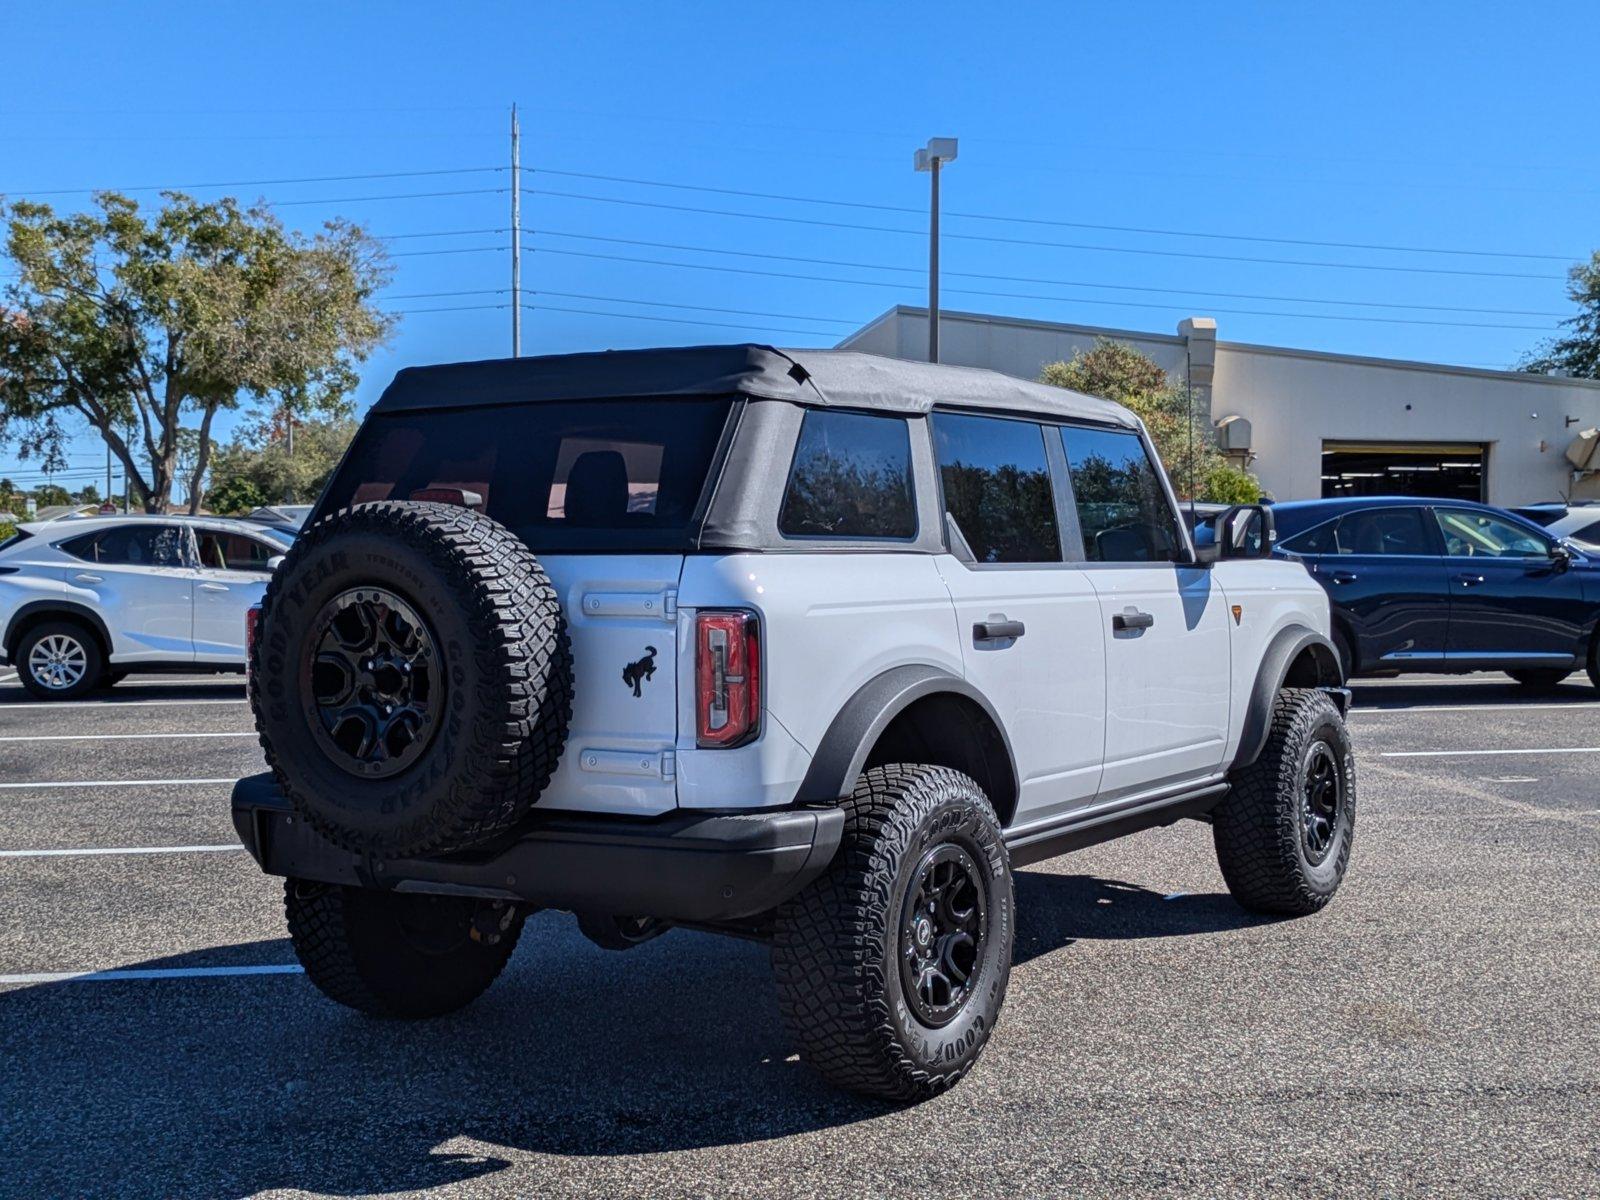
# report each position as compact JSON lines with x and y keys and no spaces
{"x":937,"y":152}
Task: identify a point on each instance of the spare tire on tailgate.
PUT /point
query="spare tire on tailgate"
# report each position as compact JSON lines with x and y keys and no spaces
{"x":411,"y":678}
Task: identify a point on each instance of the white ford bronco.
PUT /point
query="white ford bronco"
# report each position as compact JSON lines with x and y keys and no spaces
{"x":810,"y":647}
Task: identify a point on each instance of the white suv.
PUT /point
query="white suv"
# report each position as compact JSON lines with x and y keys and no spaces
{"x":807,"y":647}
{"x":85,"y":602}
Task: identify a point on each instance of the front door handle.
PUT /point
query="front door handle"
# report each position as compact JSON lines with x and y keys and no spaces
{"x":997,"y":630}
{"x":87,"y":577}
{"x":213,"y":587}
{"x":1131,"y":618}
{"x":1469,"y":580}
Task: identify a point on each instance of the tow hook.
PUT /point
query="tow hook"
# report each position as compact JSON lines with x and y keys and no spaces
{"x":491,"y":921}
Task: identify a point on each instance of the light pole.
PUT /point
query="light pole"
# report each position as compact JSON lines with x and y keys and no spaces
{"x":937,"y":152}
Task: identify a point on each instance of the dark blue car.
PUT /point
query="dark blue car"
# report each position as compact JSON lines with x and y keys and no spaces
{"x":1447,"y":585}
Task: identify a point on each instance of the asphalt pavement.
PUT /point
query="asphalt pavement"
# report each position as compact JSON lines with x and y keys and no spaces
{"x":1435,"y":1031}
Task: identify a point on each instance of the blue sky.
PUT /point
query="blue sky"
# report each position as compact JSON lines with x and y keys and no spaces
{"x":1430,"y":126}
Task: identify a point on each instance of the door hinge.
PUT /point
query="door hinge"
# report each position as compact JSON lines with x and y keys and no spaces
{"x":662,"y":765}
{"x":661,"y":605}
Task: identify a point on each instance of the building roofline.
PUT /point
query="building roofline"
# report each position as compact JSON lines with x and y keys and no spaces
{"x":1400,"y":364}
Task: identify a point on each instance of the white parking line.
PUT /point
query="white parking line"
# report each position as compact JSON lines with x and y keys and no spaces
{"x":12,"y":678}
{"x":1358,"y":710}
{"x":119,"y":850}
{"x":8,"y":707}
{"x":1480,"y":753}
{"x":104,"y":783}
{"x":152,"y":973}
{"x":120,"y":737}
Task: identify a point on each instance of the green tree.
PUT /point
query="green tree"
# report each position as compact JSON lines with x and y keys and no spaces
{"x":146,"y":325}
{"x":1182,"y":434}
{"x":89,"y":494}
{"x":1578,"y":353}
{"x":259,"y":468}
{"x":51,"y":493}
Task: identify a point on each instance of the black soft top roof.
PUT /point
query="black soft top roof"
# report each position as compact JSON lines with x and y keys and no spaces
{"x":837,"y":378}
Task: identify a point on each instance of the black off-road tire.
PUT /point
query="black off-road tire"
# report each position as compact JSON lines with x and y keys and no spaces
{"x":1594,"y":661}
{"x":1540,"y":679}
{"x":1266,"y":851}
{"x":837,"y":947}
{"x":93,"y":661}
{"x":1345,"y":653}
{"x":504,"y":664}
{"x":398,"y":954}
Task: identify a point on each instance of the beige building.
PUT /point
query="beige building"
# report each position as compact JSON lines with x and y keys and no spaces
{"x":1314,"y":424}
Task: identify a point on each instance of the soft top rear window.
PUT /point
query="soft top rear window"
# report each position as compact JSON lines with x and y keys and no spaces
{"x":591,"y":475}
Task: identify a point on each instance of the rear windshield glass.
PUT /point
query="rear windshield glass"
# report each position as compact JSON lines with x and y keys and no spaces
{"x":593,"y":475}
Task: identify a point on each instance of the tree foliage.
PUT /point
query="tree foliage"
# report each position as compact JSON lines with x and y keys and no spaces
{"x":1578,"y":353}
{"x":145,"y":325}
{"x":1182,"y":434}
{"x":258,"y":467}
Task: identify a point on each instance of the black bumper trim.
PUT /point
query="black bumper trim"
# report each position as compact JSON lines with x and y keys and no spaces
{"x":684,"y":865}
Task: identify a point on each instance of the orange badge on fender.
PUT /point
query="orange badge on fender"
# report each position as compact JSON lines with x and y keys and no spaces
{"x":1238,"y":613}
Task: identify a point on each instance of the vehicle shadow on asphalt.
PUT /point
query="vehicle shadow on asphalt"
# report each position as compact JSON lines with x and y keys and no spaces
{"x":232,"y":1086}
{"x":132,"y":691}
{"x":1379,"y":694}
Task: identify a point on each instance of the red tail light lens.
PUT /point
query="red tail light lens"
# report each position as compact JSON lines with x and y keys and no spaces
{"x":727,"y":673}
{"x":252,"y":619}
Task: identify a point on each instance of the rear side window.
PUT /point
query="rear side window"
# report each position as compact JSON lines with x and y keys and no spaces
{"x":851,"y":478}
{"x":1313,"y":541}
{"x":1383,"y":531}
{"x":588,"y":475}
{"x":131,"y":546}
{"x":996,"y":480}
{"x":226,"y":551}
{"x":1122,"y":506}
{"x":20,"y":535}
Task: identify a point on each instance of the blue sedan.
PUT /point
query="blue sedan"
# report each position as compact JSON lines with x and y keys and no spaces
{"x":1446,"y":585}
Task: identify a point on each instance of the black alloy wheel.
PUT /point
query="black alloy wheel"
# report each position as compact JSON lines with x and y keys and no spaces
{"x":376,"y":682}
{"x":1321,"y":792}
{"x":942,"y":933}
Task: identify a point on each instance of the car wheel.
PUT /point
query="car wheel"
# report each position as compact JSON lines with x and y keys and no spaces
{"x":1347,"y":658}
{"x":399,"y":954}
{"x":1539,"y":680}
{"x":59,"y":660}
{"x":1283,"y":833}
{"x":892,"y":967}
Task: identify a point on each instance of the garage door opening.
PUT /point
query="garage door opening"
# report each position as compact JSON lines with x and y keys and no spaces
{"x":1442,"y":470}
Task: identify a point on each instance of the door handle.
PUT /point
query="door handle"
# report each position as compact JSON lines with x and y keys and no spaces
{"x":1469,"y":580}
{"x":997,"y":630}
{"x":1344,"y":576}
{"x":1131,"y":618}
{"x":87,"y":577}
{"x":214,"y":587}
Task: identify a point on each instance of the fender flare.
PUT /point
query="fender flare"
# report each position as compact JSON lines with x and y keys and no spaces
{"x":842,"y":753}
{"x":1286,"y":646}
{"x":67,"y":608}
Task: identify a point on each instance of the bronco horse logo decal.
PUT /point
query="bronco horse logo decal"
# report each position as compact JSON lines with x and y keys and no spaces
{"x":637,"y":673}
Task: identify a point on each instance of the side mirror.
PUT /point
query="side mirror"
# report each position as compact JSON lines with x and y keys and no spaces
{"x":1243,"y":531}
{"x":1561,"y":556}
{"x":275,"y":562}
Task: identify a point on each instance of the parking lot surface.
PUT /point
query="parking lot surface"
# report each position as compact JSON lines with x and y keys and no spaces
{"x":1435,"y":1031}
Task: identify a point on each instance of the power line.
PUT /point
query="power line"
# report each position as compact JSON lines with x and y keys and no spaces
{"x":397,"y":196}
{"x":594,"y":312}
{"x":456,"y":250}
{"x":1032,"y":242}
{"x":1118,"y":287}
{"x":979,"y":216}
{"x":396,"y":237}
{"x":178,"y":187}
{"x":736,"y":312}
{"x":1247,"y":312}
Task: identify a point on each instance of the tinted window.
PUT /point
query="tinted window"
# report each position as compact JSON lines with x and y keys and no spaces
{"x":586,"y":475}
{"x":851,"y":478}
{"x":233,"y":551}
{"x":1122,"y":506}
{"x":1589,"y":535}
{"x":19,"y":536}
{"x":132,"y":545}
{"x":1383,"y":531}
{"x":1480,"y":535}
{"x":1313,"y":541}
{"x":996,"y":482}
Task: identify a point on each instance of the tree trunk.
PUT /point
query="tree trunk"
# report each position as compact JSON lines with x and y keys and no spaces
{"x":202,"y":459}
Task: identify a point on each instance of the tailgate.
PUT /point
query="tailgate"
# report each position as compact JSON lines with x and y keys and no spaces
{"x":622,"y":614}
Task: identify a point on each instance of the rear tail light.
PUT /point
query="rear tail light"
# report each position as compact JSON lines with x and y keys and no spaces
{"x":727,"y":675}
{"x":252,"y":621}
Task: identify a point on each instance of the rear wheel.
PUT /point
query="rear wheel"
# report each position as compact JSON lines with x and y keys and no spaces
{"x":892,"y":968}
{"x":59,"y":660}
{"x":1541,"y":679}
{"x":399,"y":954}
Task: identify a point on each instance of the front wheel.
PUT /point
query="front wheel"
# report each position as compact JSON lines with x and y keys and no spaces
{"x":892,"y":968}
{"x":59,"y":660}
{"x":399,"y":954}
{"x":1284,"y":832}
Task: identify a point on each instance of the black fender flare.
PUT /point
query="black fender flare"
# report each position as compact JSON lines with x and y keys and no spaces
{"x":1286,"y":646}
{"x":26,"y":614}
{"x":842,"y":752}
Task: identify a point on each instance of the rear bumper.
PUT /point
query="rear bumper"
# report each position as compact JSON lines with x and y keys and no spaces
{"x":685,"y":866}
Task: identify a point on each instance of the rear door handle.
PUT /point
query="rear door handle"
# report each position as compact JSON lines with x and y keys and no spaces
{"x":1131,"y":618}
{"x":1344,"y":577}
{"x":997,"y":630}
{"x":214,"y":587}
{"x":1469,"y":580}
{"x":86,"y":577}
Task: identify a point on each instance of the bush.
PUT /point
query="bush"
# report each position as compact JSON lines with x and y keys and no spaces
{"x":1227,"y":484}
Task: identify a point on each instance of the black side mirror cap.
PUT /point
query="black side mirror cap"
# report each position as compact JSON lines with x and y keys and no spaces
{"x":1247,"y":531}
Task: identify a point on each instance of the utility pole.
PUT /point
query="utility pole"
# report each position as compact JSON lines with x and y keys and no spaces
{"x":937,"y":152}
{"x":516,"y":235}
{"x":107,"y":499}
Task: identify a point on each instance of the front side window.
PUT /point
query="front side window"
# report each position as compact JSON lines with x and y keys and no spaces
{"x":996,"y":480}
{"x":1383,"y":531}
{"x":1472,"y":534}
{"x":131,"y":546}
{"x":1122,"y":506}
{"x":851,"y":478}
{"x":227,"y":551}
